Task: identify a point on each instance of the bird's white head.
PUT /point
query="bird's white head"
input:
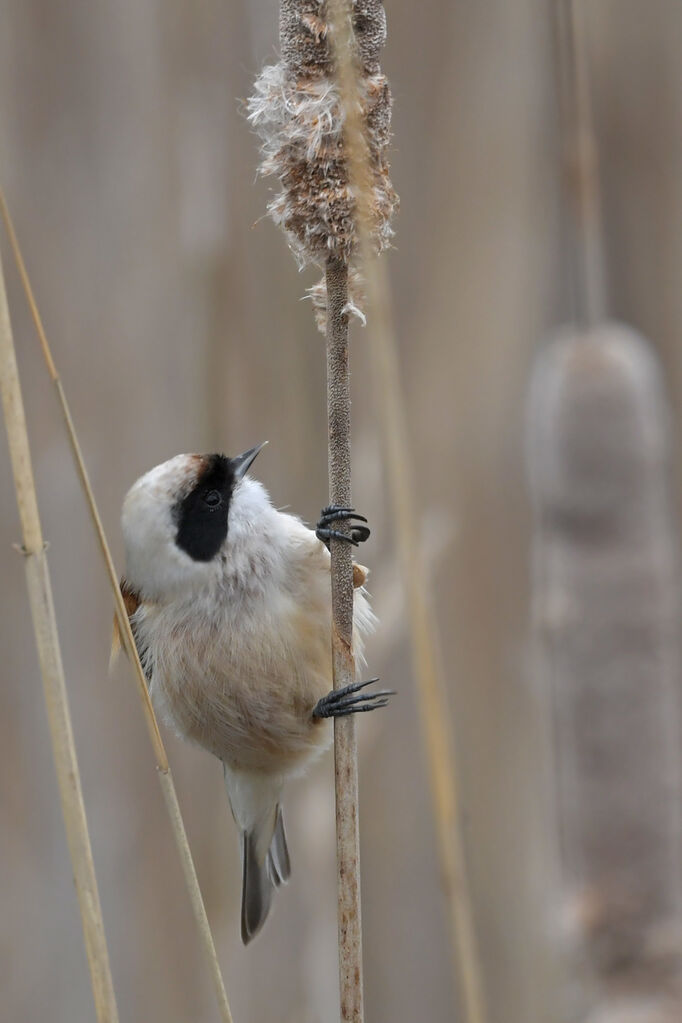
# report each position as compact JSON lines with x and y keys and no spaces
{"x":179,"y":517}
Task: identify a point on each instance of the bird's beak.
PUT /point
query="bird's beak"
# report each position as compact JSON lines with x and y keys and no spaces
{"x":241,"y":463}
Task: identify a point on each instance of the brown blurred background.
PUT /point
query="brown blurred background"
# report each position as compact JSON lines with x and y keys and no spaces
{"x":175,"y":319}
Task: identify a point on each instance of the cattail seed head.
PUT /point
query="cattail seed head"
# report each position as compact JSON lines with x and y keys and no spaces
{"x":297,"y":112}
{"x":303,"y":26}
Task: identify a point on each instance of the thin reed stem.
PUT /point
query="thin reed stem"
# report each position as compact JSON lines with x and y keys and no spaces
{"x":49,"y":653}
{"x":345,"y":744}
{"x":580,"y":158}
{"x":164,"y":772}
{"x":427,"y":663}
{"x":426,"y":655}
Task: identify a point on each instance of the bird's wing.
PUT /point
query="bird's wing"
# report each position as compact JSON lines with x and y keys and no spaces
{"x":132,"y":601}
{"x":360,"y":575}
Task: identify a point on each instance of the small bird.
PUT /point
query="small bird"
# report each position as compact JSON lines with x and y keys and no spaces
{"x":229,"y":602}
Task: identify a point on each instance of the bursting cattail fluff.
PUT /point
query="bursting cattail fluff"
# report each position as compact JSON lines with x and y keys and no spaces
{"x":297,"y":111}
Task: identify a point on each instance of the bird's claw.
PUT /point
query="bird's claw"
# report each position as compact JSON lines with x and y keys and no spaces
{"x":335,"y":513}
{"x":342,"y":702}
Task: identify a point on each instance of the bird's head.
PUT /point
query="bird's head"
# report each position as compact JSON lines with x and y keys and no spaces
{"x":176,"y":520}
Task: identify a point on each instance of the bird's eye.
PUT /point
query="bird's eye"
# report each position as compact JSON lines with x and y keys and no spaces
{"x":213,"y":498}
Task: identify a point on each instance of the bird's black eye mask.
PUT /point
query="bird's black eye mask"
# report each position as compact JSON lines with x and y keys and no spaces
{"x":202,"y":515}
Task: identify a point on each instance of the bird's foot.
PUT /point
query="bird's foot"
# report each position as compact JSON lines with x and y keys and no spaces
{"x":342,"y":702}
{"x":334,"y":513}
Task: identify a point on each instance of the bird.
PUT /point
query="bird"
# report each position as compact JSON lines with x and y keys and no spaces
{"x":229,"y":600}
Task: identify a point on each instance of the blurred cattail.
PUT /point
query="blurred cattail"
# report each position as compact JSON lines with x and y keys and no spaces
{"x":606,"y":598}
{"x":297,"y":111}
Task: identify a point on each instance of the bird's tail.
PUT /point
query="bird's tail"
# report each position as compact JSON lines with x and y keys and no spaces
{"x":265,"y":856}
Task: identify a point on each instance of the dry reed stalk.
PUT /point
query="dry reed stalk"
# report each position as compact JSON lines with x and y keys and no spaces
{"x":297,"y":111}
{"x":125,"y":632}
{"x":56,"y":698}
{"x":427,"y":663}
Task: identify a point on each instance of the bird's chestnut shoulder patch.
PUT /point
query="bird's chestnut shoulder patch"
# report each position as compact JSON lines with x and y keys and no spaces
{"x":201,"y":516}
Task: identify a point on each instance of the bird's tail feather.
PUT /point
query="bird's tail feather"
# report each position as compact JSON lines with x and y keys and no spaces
{"x":278,"y":853}
{"x":261,"y":877}
{"x":254,"y":800}
{"x":257,"y":889}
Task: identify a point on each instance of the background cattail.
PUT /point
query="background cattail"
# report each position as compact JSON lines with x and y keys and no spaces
{"x":606,"y":612}
{"x":297,"y":112}
{"x":606,"y":599}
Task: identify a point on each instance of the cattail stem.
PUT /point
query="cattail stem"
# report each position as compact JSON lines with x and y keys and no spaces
{"x":56,"y":699}
{"x":425,"y":647}
{"x":345,"y":745}
{"x":301,"y":112}
{"x":164,"y":772}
